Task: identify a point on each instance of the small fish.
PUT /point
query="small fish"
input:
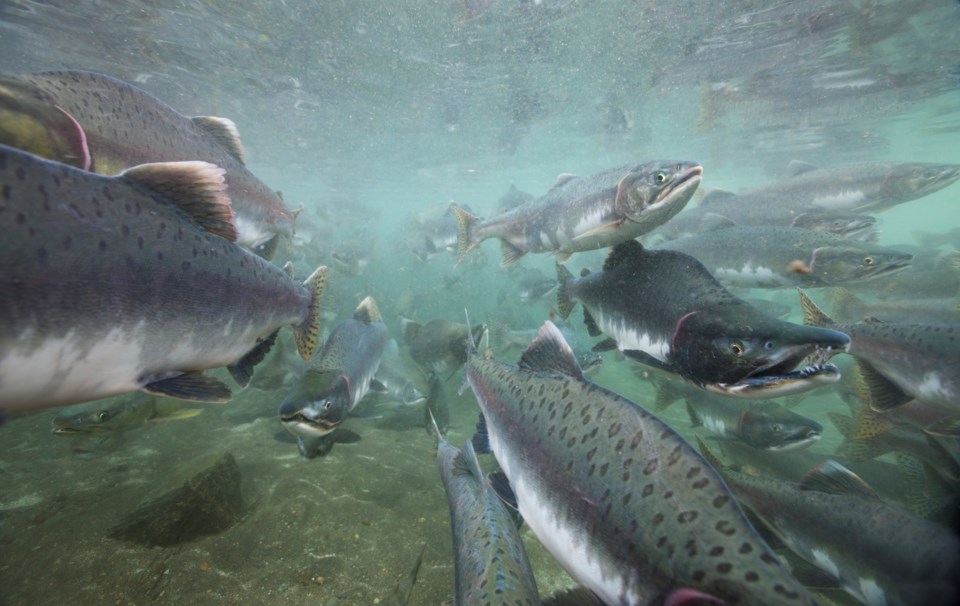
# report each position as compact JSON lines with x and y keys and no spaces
{"x":339,"y":378}
{"x":880,"y":554}
{"x":857,"y":188}
{"x":762,"y":425}
{"x":120,"y":415}
{"x":98,"y":123}
{"x":623,"y":503}
{"x":437,"y":346}
{"x":901,"y":362}
{"x":490,"y":562}
{"x":662,"y":308}
{"x":767,"y":257}
{"x":116,"y":284}
{"x":586,"y":213}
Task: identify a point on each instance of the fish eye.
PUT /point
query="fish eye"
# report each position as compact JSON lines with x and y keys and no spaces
{"x":868,"y":261}
{"x":768,"y":345}
{"x":776,"y":428}
{"x":102,"y":415}
{"x":327,"y":404}
{"x":737,"y":348}
{"x":660,"y":177}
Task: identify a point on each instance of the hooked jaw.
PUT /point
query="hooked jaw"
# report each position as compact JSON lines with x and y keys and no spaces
{"x":671,"y":199}
{"x":313,"y":420}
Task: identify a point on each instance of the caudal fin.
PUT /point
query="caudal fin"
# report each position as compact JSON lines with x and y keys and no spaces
{"x":564,"y":304}
{"x":464,"y":241}
{"x":305,"y":335}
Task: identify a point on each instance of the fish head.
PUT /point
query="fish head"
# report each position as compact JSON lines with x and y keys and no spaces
{"x":841,"y":223}
{"x":317,"y":404}
{"x":652,"y":193}
{"x":30,"y":120}
{"x":769,"y":426}
{"x":753,"y":357}
{"x":834,"y":265}
{"x":912,"y":180}
{"x":99,"y":420}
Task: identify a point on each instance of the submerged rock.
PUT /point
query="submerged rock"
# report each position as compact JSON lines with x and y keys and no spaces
{"x":209,"y":502}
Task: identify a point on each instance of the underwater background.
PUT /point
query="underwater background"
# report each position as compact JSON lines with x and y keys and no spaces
{"x":371,"y":116}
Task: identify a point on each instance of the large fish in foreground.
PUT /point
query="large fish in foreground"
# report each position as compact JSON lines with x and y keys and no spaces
{"x":337,"y":381}
{"x":114,"y":284}
{"x":624,"y":504}
{"x":98,"y":123}
{"x":858,"y":188}
{"x":586,"y":213}
{"x":490,"y":562}
{"x":882,"y":555}
{"x":663,"y":308}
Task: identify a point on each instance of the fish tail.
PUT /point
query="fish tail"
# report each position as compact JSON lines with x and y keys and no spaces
{"x":306,"y":333}
{"x":464,"y":240}
{"x":812,"y":314}
{"x":564,"y":304}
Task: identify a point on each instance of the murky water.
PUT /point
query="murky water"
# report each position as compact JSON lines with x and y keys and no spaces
{"x":371,"y":113}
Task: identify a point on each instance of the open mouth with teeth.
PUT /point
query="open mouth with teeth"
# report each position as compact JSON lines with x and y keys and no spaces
{"x":773,"y":382}
{"x":300,"y":424}
{"x":799,"y":439}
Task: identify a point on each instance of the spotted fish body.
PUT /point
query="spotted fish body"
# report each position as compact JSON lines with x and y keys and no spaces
{"x":489,"y":558}
{"x":879,"y":553}
{"x":340,"y":376}
{"x":627,"y":507}
{"x":902,"y":361}
{"x":586,"y":213}
{"x":99,"y":123}
{"x":113,"y":284}
{"x":774,"y":257}
{"x":664,"y":309}
{"x":860,"y":188}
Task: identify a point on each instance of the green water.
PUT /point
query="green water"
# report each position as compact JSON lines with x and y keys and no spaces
{"x":367,"y":113}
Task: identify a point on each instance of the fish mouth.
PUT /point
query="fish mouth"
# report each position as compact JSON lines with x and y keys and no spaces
{"x":685,"y":183}
{"x":895,"y":265}
{"x":302,"y":422}
{"x":779,"y":380}
{"x":802,"y":438}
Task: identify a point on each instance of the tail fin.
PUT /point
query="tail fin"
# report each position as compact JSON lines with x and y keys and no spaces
{"x":464,"y":221}
{"x":305,"y":334}
{"x":564,"y":304}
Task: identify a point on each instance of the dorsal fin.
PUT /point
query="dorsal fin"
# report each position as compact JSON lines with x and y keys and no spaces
{"x":813,"y":315}
{"x":367,"y":311}
{"x":196,"y":188}
{"x":410,"y":329}
{"x":562,"y":179}
{"x":549,"y":352}
{"x":466,"y":462}
{"x":833,"y":478}
{"x":798,"y":167}
{"x":628,"y":251}
{"x":715,"y":221}
{"x":716,"y":195}
{"x":224,"y":131}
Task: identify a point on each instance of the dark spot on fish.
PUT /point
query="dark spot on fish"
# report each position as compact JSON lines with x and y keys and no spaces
{"x":745,"y":548}
{"x":563,"y":433}
{"x":571,"y":442}
{"x":593,"y":466}
{"x":637,"y":438}
{"x":668,"y":494}
{"x":698,"y":575}
{"x":603,"y":469}
{"x":724,"y":567}
{"x":687,"y":516}
{"x":102,"y":245}
{"x":657,"y":519}
{"x":591,"y":453}
{"x":626,"y":476}
{"x":701,"y":483}
{"x":6,"y":192}
{"x":647,"y":490}
{"x":67,"y":241}
{"x":42,"y":256}
{"x":139,"y":241}
{"x":21,"y":173}
{"x":691,"y":548}
{"x":751,"y":576}
{"x":692,"y":472}
{"x":160,"y":257}
{"x":614,"y":430}
{"x":716,"y":551}
{"x":185,"y":266}
{"x":720,"y":500}
{"x":661,"y":542}
{"x":125,"y":229}
{"x":674,"y":456}
{"x":769,"y":559}
{"x":21,"y":218}
{"x":619,"y":446}
{"x":651,"y":466}
{"x":725,"y":527}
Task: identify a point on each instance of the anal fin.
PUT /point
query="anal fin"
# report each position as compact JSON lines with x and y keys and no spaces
{"x":242,"y":370}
